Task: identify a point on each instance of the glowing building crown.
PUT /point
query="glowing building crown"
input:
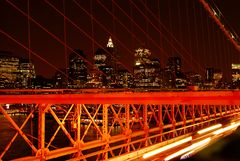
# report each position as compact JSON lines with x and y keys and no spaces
{"x":110,"y":43}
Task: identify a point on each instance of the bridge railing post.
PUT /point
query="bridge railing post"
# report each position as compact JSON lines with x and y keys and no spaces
{"x":145,"y":123}
{"x":127,"y":125}
{"x":105,"y":130}
{"x":41,"y":131}
{"x":173,"y":120}
{"x":160,"y":121}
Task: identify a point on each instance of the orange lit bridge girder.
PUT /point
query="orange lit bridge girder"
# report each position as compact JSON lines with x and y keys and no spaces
{"x":123,"y":122}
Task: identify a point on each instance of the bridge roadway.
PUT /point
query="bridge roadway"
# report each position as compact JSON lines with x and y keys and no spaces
{"x":180,"y":151}
{"x":145,"y":120}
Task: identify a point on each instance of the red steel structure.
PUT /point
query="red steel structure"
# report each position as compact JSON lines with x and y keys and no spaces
{"x":119,"y":123}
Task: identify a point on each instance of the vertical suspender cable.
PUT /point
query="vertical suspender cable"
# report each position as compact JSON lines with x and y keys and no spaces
{"x":204,"y":49}
{"x":65,"y":42}
{"x":29,"y":59}
{"x":214,"y":43}
{"x":209,"y":49}
{"x":132,"y":34}
{"x":92,"y":25}
{"x":189,"y":31}
{"x":29,"y":30}
{"x":159,"y":25}
{"x":196,"y":32}
{"x":179,"y":23}
{"x":170,"y":24}
{"x":146,"y":23}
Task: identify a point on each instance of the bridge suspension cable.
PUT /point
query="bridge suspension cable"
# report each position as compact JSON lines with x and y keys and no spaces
{"x":228,"y":34}
{"x":52,"y":35}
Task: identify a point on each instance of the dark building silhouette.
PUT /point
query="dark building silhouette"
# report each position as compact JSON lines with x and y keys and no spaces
{"x":77,"y":69}
{"x":173,"y":75}
{"x":60,"y":79}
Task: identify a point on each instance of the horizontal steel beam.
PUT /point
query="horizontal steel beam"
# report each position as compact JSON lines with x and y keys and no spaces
{"x":196,"y":98}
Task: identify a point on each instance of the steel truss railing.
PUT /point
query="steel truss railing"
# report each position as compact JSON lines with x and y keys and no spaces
{"x":102,"y":126}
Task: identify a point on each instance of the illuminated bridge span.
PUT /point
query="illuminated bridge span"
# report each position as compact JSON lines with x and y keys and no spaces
{"x":111,"y":126}
{"x":116,"y":124}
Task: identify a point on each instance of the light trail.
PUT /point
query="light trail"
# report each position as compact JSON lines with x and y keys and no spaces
{"x":167,"y":147}
{"x":193,"y":146}
{"x":222,"y":130}
{"x":209,"y":129}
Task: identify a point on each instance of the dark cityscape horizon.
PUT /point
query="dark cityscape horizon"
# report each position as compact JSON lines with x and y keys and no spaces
{"x":129,"y":29}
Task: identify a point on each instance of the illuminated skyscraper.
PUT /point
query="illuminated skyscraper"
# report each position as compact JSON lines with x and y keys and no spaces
{"x":236,"y":76}
{"x":77,"y":69}
{"x":113,"y":63}
{"x":9,"y":66}
{"x":105,"y":72}
{"x":110,"y":43}
{"x":26,"y":74}
{"x":97,"y":74}
{"x":15,"y":72}
{"x":146,"y":71}
{"x":125,"y":79}
{"x":235,"y":72}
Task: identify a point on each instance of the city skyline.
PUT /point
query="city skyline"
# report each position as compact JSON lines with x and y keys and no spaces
{"x":196,"y":55}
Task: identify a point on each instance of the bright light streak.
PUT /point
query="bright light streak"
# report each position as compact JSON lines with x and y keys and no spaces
{"x":187,"y":155}
{"x":167,"y":147}
{"x":138,"y":63}
{"x":222,"y":130}
{"x":209,"y":129}
{"x":191,"y":153}
{"x":193,"y":146}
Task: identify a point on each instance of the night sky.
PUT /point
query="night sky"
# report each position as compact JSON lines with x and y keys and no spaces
{"x":166,"y":27}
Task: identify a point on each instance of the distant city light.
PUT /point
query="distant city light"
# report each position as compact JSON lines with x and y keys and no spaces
{"x":7,"y":106}
{"x":137,"y":63}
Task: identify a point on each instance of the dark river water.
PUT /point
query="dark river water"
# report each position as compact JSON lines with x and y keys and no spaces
{"x":226,"y":149}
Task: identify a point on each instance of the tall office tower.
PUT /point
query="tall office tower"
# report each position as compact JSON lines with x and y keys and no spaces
{"x":9,"y":70}
{"x":173,"y":75}
{"x":174,"y":64}
{"x":100,"y":58}
{"x":146,"y":70}
{"x":209,"y":74}
{"x":209,"y":82}
{"x":111,"y":54}
{"x":97,"y":74}
{"x":235,"y":72}
{"x":113,"y":62}
{"x":218,"y":79}
{"x":26,"y":74}
{"x":77,"y":69}
{"x":60,"y":79}
{"x":125,"y":79}
{"x":235,"y":76}
{"x":105,"y":72}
